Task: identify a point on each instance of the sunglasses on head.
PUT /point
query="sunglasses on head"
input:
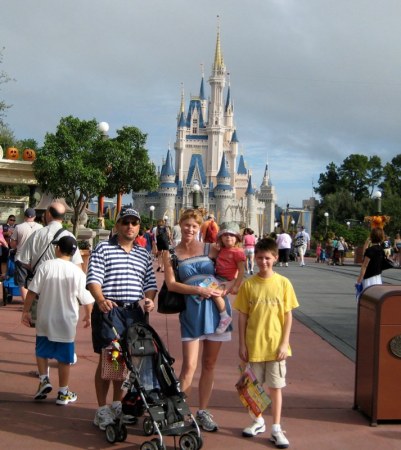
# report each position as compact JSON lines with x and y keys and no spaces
{"x":128,"y":222}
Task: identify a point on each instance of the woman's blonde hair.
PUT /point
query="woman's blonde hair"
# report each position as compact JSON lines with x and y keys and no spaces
{"x":192,"y":214}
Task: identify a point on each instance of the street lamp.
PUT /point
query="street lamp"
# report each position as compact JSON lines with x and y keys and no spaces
{"x":378,"y":197}
{"x":326,"y":215}
{"x":292,"y":224}
{"x":196,"y":193}
{"x":165,"y":218}
{"x":348,"y":224}
{"x":103,"y":127}
{"x":151,"y":215}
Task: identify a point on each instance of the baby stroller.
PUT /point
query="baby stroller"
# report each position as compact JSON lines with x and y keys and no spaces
{"x":10,"y":289}
{"x":153,"y":390}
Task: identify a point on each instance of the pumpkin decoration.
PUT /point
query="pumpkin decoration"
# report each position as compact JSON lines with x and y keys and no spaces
{"x":12,"y":153}
{"x":28,"y":155}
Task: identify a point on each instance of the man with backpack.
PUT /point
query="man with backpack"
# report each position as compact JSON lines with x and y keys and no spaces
{"x":302,"y":243}
{"x":209,"y":230}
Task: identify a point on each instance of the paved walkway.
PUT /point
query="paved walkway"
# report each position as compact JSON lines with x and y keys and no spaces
{"x":318,"y":401}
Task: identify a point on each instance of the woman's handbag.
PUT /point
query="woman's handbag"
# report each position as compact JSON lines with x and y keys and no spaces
{"x":387,"y":263}
{"x":169,"y":302}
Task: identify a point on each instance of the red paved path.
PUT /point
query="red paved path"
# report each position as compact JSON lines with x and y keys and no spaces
{"x":317,"y":402}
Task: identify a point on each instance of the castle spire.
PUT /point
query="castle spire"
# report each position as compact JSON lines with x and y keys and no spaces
{"x":218,"y":65}
{"x":202,"y":87}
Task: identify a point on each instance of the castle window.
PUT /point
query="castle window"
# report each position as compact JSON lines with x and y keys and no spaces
{"x":195,"y":126}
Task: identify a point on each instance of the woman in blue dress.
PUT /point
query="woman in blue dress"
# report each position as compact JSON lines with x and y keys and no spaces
{"x":201,"y":317}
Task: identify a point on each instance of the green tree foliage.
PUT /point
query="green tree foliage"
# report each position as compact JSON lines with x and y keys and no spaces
{"x":68,"y":165}
{"x":130,"y":168}
{"x":328,"y":182}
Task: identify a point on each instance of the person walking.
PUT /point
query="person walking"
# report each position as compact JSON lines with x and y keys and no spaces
{"x":163,"y":239}
{"x":209,"y":230}
{"x":21,"y":233}
{"x":302,"y":244}
{"x":371,"y":268}
{"x":249,"y":241}
{"x":7,"y":229}
{"x":120,"y":276}
{"x":283,"y":242}
{"x":57,"y":316}
{"x":201,"y":317}
{"x":264,"y":332}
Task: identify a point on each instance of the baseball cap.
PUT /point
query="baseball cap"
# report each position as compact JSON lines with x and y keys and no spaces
{"x":128,"y":213}
{"x":67,"y":245}
{"x":30,"y":212}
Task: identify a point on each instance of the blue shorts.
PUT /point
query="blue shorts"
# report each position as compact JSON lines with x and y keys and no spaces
{"x":60,"y":351}
{"x":122,"y":319}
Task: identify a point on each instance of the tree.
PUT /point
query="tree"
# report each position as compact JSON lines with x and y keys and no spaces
{"x":328,"y":182}
{"x":68,"y":166}
{"x":130,"y":169}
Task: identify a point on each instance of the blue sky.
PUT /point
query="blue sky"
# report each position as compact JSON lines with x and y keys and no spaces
{"x":312,"y":80}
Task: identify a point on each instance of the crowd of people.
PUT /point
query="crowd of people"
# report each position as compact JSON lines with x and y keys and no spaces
{"x":120,"y":288}
{"x":214,"y":262}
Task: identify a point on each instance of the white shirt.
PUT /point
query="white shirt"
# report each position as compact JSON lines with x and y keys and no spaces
{"x":60,"y":285}
{"x":37,"y":242}
{"x":283,"y":241}
{"x":22,"y":232}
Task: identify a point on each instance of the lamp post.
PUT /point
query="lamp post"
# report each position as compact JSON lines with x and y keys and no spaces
{"x":151,"y":215}
{"x":348,"y":224}
{"x":165,"y":218}
{"x":378,"y":198}
{"x":103,"y":127}
{"x":292,"y":225}
{"x":326,"y":215}
{"x":195,"y":193}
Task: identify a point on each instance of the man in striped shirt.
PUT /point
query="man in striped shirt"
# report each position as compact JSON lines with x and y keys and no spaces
{"x":120,"y":276}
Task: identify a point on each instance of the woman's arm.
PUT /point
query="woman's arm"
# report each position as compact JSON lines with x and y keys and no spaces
{"x":365,"y":263}
{"x":175,"y":286}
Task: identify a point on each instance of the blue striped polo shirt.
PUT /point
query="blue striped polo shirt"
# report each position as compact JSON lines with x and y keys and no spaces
{"x":124,"y":277}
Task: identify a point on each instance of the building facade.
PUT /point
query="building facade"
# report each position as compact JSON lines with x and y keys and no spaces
{"x":207,"y":171}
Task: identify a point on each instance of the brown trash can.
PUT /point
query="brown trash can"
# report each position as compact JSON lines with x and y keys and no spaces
{"x":378,"y":354}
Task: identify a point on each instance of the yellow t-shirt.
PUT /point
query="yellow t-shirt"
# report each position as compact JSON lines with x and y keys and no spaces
{"x":265,"y":301}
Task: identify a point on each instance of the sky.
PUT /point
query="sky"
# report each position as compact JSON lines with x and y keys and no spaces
{"x":312,"y":81}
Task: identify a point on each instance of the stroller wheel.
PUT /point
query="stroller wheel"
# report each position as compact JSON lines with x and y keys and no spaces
{"x":199,"y":439}
{"x":188,"y":442}
{"x":111,"y":433}
{"x":122,"y":433}
{"x":148,"y":427}
{"x":149,"y":445}
{"x":158,"y":445}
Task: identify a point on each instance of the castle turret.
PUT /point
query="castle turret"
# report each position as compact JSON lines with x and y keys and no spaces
{"x":167,"y":190}
{"x":251,"y":205}
{"x":223,"y":192}
{"x":267,"y":196}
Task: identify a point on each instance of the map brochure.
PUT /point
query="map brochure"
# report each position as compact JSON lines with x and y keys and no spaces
{"x":251,"y":392}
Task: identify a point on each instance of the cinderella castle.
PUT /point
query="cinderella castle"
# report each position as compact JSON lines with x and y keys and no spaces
{"x":206,"y":171}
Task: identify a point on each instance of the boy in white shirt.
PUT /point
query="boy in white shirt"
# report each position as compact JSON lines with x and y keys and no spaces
{"x":61,"y":287}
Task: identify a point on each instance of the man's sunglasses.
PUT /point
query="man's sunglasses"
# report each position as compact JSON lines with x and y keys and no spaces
{"x":128,"y":222}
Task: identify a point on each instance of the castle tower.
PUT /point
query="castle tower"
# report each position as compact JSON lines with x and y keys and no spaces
{"x":267,"y":196}
{"x":215,"y":128}
{"x":251,"y":219}
{"x":223,"y":193}
{"x":167,"y":191}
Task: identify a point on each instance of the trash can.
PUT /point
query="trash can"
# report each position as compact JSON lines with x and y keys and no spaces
{"x":378,"y":354}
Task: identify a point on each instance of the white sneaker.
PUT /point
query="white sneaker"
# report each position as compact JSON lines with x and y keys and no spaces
{"x":254,"y":429}
{"x":118,"y":410}
{"x":286,"y":264}
{"x":281,"y":264}
{"x":279,"y":440}
{"x":104,"y":416}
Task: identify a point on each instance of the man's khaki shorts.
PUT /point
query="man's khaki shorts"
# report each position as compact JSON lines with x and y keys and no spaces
{"x":271,"y":373}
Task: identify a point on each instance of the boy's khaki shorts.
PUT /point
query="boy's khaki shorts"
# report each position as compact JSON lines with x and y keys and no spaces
{"x":271,"y":373}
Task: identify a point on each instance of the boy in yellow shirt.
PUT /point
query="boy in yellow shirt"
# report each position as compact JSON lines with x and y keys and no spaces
{"x":265,"y":302}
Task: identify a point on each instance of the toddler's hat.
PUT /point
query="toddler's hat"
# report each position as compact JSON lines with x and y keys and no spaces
{"x":230,"y":228}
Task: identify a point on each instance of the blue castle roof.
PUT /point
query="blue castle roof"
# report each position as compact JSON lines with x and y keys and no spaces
{"x":168,"y":169}
{"x":196,"y":161}
{"x":195,"y":104}
{"x":234,"y":137}
{"x":241,"y":166}
{"x":223,"y":172}
{"x":250,"y":190}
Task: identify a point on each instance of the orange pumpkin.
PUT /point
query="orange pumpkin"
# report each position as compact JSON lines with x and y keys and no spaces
{"x":28,"y":155}
{"x":12,"y":153}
